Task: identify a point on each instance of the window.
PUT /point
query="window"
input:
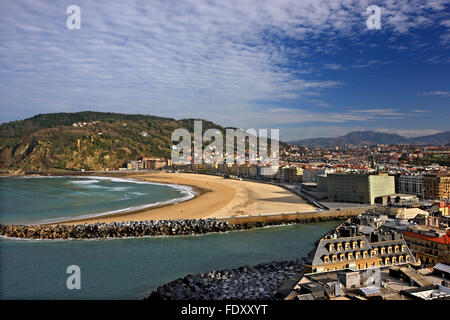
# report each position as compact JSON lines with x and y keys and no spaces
{"x":357,"y":255}
{"x":407,"y":258}
{"x":396,"y":248}
{"x":331,"y":247}
{"x":403,"y":248}
{"x":389,"y":250}
{"x":350,"y":256}
{"x":326,"y":259}
{"x":355,"y":245}
{"x":387,"y":261}
{"x":383,"y":250}
{"x":342,"y":257}
{"x":362,"y":244}
{"x":339,"y":247}
{"x":334,"y":258}
{"x":364,"y":254}
{"x":394,"y":260}
{"x":347,"y":245}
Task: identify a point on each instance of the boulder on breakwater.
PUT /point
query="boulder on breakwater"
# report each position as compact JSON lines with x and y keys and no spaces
{"x":143,"y":228}
{"x":116,"y":229}
{"x":260,"y":282}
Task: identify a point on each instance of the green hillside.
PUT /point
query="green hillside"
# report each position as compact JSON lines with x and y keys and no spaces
{"x":50,"y":141}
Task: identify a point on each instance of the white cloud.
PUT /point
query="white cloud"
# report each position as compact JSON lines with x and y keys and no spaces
{"x":435,"y":93}
{"x":209,"y":59}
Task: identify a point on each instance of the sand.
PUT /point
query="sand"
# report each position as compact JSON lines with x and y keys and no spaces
{"x":217,"y":198}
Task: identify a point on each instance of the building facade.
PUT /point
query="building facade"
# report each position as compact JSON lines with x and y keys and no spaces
{"x":429,"y":243}
{"x":436,"y":187}
{"x":359,"y":188}
{"x":357,"y":253}
{"x":411,"y":184}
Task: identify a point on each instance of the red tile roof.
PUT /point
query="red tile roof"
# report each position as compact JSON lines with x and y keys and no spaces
{"x":445,"y":239}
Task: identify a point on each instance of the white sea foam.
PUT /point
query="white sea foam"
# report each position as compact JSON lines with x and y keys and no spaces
{"x":90,"y":181}
{"x":187,"y":193}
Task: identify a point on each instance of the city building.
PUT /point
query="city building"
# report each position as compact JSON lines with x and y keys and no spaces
{"x":357,"y":253}
{"x":429,"y":243}
{"x":436,"y":187}
{"x":411,"y":184}
{"x":358,"y":188}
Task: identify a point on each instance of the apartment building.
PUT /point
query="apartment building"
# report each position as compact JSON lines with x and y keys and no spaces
{"x":436,"y":187}
{"x":411,"y":184}
{"x":357,"y":253}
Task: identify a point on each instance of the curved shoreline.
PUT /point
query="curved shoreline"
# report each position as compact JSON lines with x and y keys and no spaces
{"x":188,"y":192}
{"x":216,"y":198}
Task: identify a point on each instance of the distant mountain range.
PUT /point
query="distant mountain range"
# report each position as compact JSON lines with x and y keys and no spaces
{"x":361,"y":138}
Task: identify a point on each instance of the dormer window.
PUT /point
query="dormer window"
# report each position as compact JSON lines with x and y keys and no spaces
{"x":350,"y":256}
{"x":364,"y":254}
{"x":347,"y":245}
{"x":400,"y":259}
{"x":331,"y":247}
{"x":408,"y":258}
{"x":389,"y":250}
{"x":339,"y":247}
{"x":334,"y":258}
{"x":342,"y":257}
{"x":362,"y":243}
{"x":326,"y":259}
{"x":403,"y":248}
{"x":396,"y":248}
{"x":357,"y":255}
{"x":355,"y":245}
{"x":387,"y":261}
{"x":394,"y":260}
{"x":383,"y":250}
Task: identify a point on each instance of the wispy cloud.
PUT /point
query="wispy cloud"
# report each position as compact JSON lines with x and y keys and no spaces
{"x":435,"y":93}
{"x":232,"y":62}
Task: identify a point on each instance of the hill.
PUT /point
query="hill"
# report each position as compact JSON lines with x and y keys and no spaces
{"x":361,"y":138}
{"x":107,"y":140}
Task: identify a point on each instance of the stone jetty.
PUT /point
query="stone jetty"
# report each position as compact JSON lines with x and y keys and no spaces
{"x":260,"y":282}
{"x":143,"y":228}
{"x":116,"y":229}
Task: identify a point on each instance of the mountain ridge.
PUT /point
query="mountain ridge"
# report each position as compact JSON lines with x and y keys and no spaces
{"x":369,"y":137}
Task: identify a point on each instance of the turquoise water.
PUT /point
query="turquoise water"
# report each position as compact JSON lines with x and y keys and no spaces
{"x":31,"y":200}
{"x":132,"y":268}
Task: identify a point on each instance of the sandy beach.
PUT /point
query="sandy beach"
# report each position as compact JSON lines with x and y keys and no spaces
{"x":217,"y":197}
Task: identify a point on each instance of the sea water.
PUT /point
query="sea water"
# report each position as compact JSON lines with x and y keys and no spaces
{"x":122,"y":268}
{"x":30,"y":200}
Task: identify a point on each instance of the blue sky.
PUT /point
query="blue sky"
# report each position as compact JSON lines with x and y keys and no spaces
{"x":311,"y":68}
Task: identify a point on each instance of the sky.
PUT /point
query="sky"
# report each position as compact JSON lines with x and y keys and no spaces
{"x":310,"y":68}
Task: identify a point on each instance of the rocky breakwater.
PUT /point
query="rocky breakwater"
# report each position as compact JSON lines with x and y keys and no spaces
{"x":116,"y":229}
{"x":260,"y":282}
